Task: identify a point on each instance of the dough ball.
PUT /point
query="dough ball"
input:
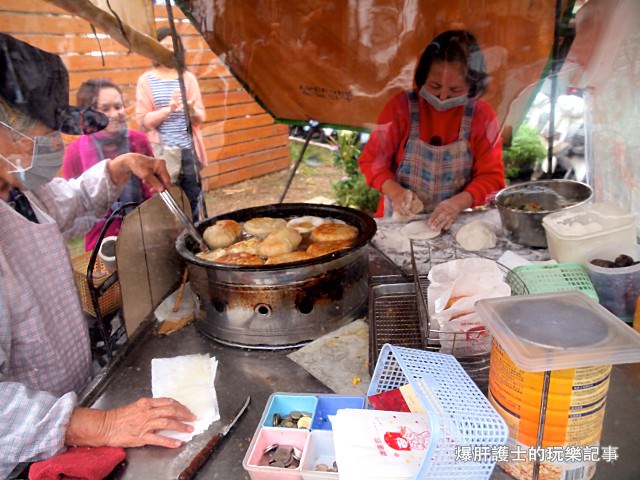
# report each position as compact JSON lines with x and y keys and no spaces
{"x":329,"y":232}
{"x":325,"y":248}
{"x":476,"y":235}
{"x":419,"y":230}
{"x":245,"y":246}
{"x":222,"y":234}
{"x":240,"y":259}
{"x":281,"y":241}
{"x":262,"y":226}
{"x":416,"y":207}
{"x":288,"y":258}
{"x":305,"y":224}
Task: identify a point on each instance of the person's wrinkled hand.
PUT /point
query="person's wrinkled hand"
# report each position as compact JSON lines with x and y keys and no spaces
{"x":445,"y":213}
{"x":152,"y":171}
{"x":133,"y":425}
{"x":401,"y":200}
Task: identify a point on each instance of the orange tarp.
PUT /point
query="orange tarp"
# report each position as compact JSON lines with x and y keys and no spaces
{"x":338,"y":62}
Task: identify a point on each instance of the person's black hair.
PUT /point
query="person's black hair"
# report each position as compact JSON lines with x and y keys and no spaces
{"x":161,"y":34}
{"x":87,"y":95}
{"x":455,"y":46}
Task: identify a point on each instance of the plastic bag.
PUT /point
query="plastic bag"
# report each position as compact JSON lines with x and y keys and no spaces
{"x":454,"y":289}
{"x":172,"y":157}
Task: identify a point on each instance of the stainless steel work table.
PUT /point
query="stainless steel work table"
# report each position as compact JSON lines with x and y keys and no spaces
{"x":242,"y":373}
{"x":259,"y":373}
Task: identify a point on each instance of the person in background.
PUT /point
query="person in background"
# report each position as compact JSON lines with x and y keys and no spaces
{"x":160,"y":112}
{"x":439,"y":141}
{"x":45,"y":358}
{"x":116,"y":139}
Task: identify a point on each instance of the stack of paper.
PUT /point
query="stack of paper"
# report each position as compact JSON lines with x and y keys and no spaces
{"x":189,"y":379}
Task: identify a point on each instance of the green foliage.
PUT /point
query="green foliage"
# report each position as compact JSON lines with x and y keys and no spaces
{"x":312,"y":152}
{"x":526,"y":150}
{"x":352,"y":190}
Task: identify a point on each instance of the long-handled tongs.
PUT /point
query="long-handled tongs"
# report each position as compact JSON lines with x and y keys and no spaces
{"x":186,"y":221}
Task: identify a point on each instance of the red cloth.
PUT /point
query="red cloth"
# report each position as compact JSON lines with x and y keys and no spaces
{"x":81,"y":463}
{"x":385,"y":148}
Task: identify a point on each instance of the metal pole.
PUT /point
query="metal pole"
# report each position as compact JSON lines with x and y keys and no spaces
{"x":314,"y":126}
{"x":543,"y":413}
{"x":179,"y":54}
{"x":555,"y":67}
{"x":96,"y":292}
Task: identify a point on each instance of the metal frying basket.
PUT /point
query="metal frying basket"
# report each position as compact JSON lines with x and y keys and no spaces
{"x":471,"y":348}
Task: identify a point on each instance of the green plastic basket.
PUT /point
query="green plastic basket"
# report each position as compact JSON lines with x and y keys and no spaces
{"x":550,"y":278}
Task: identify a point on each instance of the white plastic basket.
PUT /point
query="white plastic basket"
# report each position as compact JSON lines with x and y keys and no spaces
{"x":460,"y":415}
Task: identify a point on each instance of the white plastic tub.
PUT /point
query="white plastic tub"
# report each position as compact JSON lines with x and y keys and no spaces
{"x":573,"y":234}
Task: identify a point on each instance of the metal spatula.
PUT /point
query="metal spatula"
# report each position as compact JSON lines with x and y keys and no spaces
{"x":182,"y":217}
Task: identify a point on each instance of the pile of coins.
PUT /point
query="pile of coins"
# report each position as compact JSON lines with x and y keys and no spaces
{"x":295,"y":419}
{"x":281,"y":456}
{"x":323,"y":467}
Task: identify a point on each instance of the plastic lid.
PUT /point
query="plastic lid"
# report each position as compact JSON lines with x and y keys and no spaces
{"x":555,"y":331}
{"x":588,"y":219}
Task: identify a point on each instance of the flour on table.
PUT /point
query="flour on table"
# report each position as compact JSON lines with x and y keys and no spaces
{"x":398,"y":239}
{"x":476,"y":235}
{"x":419,"y":230}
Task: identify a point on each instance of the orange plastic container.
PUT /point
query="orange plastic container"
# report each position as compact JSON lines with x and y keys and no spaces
{"x":576,"y":340}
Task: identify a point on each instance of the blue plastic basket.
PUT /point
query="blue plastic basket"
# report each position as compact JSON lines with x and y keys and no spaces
{"x":459,"y":414}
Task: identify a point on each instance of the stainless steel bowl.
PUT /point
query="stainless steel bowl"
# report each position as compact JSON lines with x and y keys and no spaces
{"x":523,"y":206}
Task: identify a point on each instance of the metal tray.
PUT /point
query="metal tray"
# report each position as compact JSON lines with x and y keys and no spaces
{"x":393,"y":318}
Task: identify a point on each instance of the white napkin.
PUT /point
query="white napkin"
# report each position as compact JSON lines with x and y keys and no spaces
{"x":189,"y":379}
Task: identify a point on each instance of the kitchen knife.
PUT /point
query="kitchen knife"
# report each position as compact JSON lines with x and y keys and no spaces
{"x":204,"y":454}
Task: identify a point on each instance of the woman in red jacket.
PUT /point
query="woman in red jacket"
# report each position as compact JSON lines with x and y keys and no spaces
{"x":439,"y":141}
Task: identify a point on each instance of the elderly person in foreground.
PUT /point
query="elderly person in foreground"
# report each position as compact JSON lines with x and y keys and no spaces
{"x":45,"y":358}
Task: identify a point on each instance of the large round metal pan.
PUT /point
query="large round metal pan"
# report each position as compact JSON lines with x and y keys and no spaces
{"x":365,"y":224}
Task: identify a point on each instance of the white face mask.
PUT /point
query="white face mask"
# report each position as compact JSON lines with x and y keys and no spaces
{"x":46,"y":159}
{"x":442,"y":105}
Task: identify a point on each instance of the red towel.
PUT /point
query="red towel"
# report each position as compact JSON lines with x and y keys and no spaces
{"x":81,"y":463}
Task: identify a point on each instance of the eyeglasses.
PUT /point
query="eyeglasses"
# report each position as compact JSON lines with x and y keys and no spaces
{"x":21,"y":138}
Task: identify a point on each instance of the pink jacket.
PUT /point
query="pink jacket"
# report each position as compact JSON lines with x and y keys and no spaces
{"x":144,"y":105}
{"x":81,"y":155}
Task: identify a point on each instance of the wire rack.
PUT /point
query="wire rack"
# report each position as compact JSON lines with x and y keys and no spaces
{"x":472,"y":348}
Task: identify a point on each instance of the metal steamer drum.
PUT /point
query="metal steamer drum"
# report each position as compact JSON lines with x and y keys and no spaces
{"x":279,"y":306}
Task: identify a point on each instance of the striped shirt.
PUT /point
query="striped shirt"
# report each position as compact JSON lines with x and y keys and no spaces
{"x":173,"y":131}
